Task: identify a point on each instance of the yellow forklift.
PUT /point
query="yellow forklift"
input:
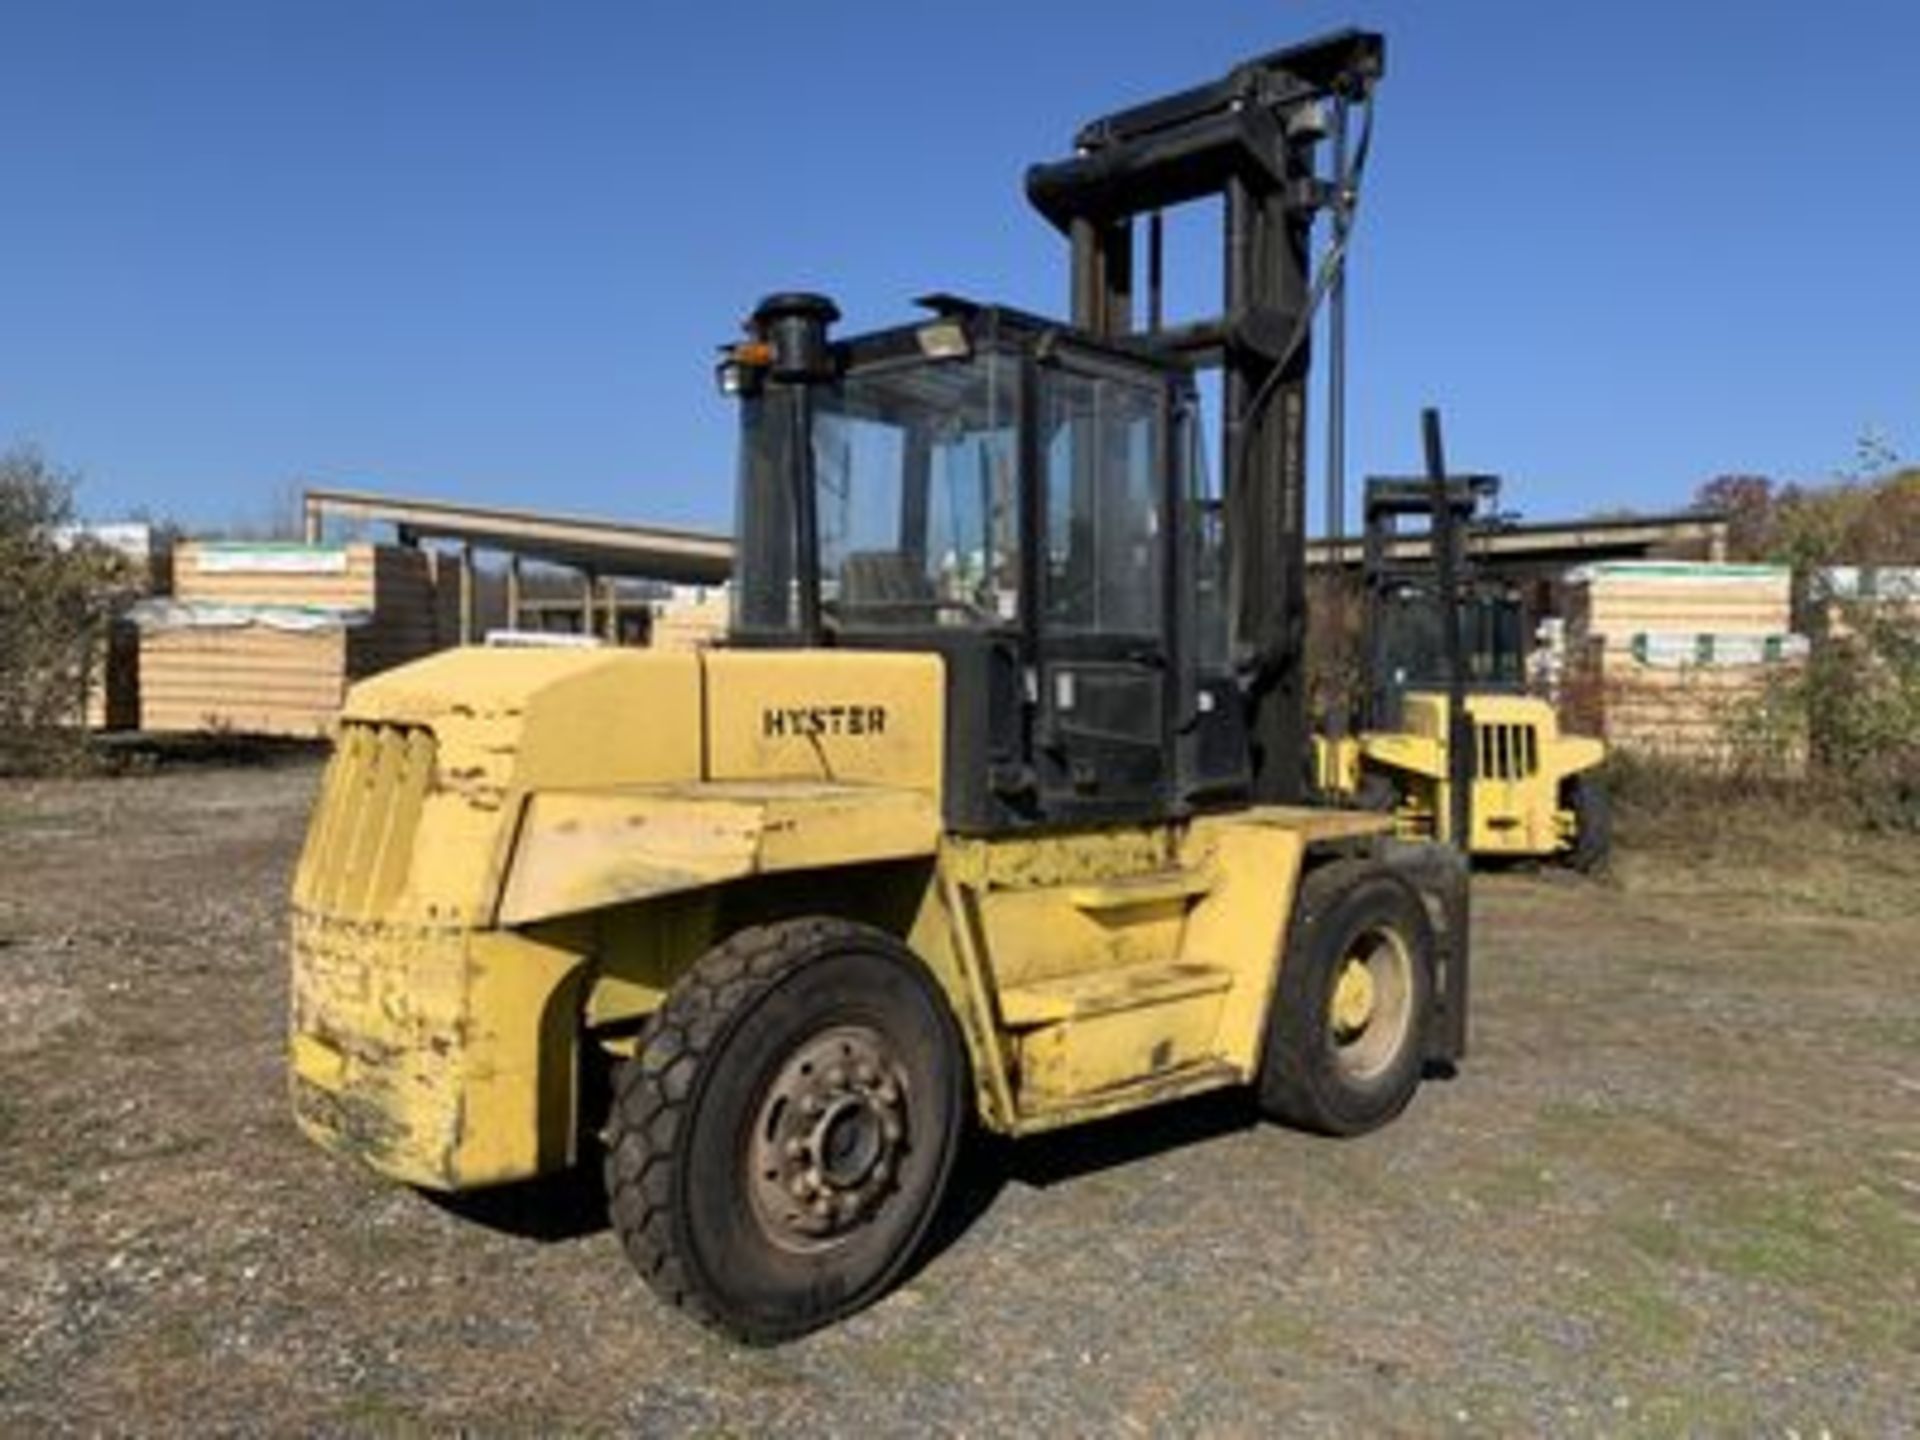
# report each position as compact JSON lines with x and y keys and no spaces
{"x":992,"y":811}
{"x":1529,"y":791}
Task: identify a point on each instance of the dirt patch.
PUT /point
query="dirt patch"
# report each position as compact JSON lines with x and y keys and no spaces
{"x":1676,"y":1188}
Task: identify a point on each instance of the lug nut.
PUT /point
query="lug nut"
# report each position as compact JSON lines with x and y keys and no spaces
{"x":796,"y":1150}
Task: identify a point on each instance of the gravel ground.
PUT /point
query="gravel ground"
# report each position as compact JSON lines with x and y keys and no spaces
{"x":1676,"y":1189}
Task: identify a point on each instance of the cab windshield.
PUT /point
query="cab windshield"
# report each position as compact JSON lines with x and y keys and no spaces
{"x":915,"y":467}
{"x":916,"y":471}
{"x":917,"y":486}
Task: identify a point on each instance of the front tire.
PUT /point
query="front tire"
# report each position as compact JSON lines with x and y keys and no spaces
{"x":781,"y":1140}
{"x":1346,"y":1041}
{"x":1592,"y":808}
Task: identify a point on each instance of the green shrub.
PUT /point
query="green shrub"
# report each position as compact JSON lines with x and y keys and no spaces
{"x":1849,"y":719}
{"x":58,"y":591}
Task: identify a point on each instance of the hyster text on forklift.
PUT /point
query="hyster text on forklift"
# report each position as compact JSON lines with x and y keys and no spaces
{"x":993,"y":810}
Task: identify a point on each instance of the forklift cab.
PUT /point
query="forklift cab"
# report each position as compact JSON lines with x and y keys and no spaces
{"x":1411,"y":598}
{"x":1030,"y":503}
{"x":1411,"y":652}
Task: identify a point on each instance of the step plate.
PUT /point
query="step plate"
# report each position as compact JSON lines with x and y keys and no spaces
{"x":1195,"y":1079}
{"x":1106,"y":992}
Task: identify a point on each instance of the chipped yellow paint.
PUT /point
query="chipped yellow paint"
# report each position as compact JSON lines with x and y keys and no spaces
{"x":1097,"y":1009}
{"x":485,"y":815}
{"x":948,"y":937}
{"x":520,"y":1062}
{"x":584,"y":849}
{"x":517,"y":854}
{"x":443,"y":1057}
{"x":434,"y":760}
{"x":1085,"y":1056}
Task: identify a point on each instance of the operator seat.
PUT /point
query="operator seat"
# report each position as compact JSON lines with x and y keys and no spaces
{"x":891,"y":585}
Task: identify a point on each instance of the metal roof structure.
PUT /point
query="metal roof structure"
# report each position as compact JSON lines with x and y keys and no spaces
{"x":599,"y":547}
{"x":1565,"y":543}
{"x":690,"y":557}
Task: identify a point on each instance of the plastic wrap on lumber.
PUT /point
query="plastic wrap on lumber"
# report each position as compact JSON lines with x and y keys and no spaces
{"x":395,"y":582}
{"x":1621,"y":596}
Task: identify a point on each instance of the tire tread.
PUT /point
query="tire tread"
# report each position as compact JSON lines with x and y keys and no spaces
{"x":654,"y":1091}
{"x":1290,"y":1090}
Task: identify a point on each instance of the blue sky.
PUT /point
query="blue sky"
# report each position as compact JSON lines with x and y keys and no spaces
{"x":484,"y":250}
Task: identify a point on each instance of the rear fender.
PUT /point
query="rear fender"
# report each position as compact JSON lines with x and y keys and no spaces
{"x":1572,"y":755}
{"x":1414,"y":754}
{"x":585,"y":850}
{"x":642,"y":949}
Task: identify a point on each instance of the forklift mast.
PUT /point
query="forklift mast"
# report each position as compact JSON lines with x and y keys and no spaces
{"x":1252,"y":139}
{"x":1442,"y":583}
{"x":1404,"y":638}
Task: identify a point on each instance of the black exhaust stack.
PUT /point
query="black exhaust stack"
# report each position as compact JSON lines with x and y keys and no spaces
{"x":793,"y":325}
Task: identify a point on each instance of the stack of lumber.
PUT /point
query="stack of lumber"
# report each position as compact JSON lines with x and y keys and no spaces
{"x":1681,"y":661}
{"x":245,"y":678}
{"x":1712,"y":710}
{"x":391,"y":586}
{"x":1619,"y":599}
{"x":693,"y":618}
{"x":265,"y":639}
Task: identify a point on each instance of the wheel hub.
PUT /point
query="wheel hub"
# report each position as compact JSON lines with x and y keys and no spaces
{"x":1371,"y":1012}
{"x":829,"y":1138}
{"x":848,"y":1142}
{"x":1353,"y":999}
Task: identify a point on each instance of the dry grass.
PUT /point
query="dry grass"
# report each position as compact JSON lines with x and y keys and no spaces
{"x":1755,"y":841}
{"x":1675,"y":1189}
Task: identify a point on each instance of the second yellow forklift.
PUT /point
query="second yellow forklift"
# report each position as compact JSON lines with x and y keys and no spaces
{"x":1522,"y":788}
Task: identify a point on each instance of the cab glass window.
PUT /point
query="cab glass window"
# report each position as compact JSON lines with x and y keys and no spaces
{"x":1102,"y":446}
{"x":918,"y":501}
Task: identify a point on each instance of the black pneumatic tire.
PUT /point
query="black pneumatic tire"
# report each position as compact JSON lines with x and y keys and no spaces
{"x":713,"y":1120}
{"x":1592,"y":810}
{"x":1318,"y":1074}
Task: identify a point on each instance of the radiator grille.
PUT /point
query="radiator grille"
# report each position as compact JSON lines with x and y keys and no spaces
{"x":360,"y":843}
{"x":1505,"y":752}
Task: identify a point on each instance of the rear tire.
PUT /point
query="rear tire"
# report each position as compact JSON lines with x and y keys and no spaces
{"x":1346,"y":1041}
{"x":780,"y":1142}
{"x":1592,"y":810}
